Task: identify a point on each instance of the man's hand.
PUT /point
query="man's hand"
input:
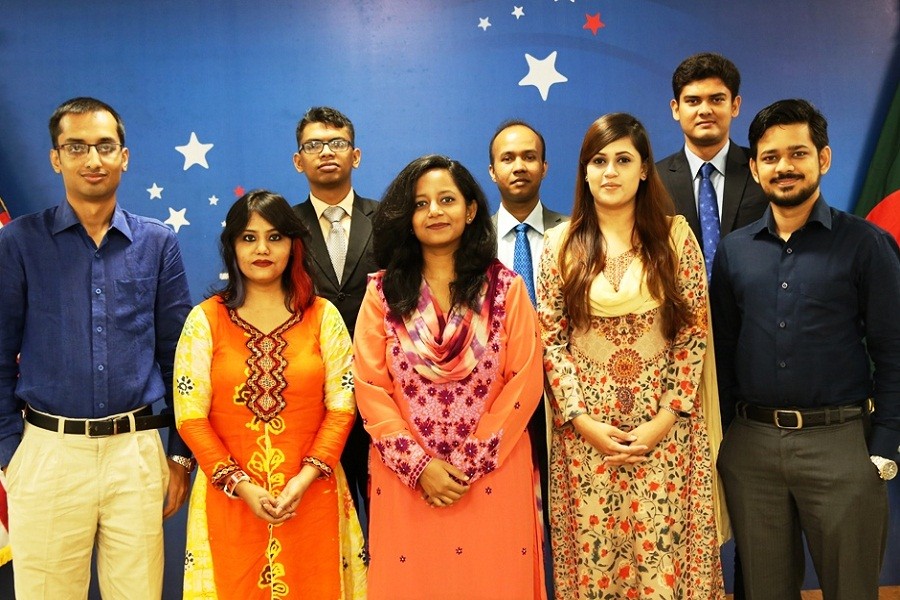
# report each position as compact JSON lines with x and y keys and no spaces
{"x":179,"y":483}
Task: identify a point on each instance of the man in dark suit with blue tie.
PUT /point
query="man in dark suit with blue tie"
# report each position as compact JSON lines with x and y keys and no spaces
{"x":518,"y":166}
{"x":339,"y":242}
{"x":709,"y":178}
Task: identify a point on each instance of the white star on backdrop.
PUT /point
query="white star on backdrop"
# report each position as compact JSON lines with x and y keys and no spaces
{"x":518,"y":12}
{"x":176,"y":219}
{"x":194,"y":152}
{"x":542,"y":73}
{"x":214,"y":200}
{"x":484,"y":23}
{"x":155,"y":191}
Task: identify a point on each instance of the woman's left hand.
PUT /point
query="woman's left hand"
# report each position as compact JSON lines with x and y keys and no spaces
{"x":290,"y":497}
{"x":649,"y":434}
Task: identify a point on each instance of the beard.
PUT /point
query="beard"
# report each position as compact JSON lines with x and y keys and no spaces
{"x":802,"y":192}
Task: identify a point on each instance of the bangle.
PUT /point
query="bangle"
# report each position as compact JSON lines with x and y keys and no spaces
{"x":232,"y":482}
{"x":671,"y":410}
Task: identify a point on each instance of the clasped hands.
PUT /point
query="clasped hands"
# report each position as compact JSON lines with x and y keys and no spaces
{"x":272,"y":509}
{"x":441,"y":484}
{"x":624,"y":447}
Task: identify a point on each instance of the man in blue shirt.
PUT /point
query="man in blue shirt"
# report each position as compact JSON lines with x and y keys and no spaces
{"x":801,"y":301}
{"x":92,"y":302}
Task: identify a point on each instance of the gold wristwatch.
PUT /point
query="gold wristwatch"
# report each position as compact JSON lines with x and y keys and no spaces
{"x":887,"y":469}
{"x":190,"y":464}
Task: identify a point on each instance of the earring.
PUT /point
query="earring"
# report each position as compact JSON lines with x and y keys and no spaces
{"x":585,"y":178}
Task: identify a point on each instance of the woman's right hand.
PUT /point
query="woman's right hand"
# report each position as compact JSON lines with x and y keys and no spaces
{"x":614,"y":444}
{"x":441,"y":483}
{"x":261,"y":503}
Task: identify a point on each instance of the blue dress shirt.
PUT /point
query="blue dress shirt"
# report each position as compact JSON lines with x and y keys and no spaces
{"x":797,"y":321}
{"x":95,"y":328}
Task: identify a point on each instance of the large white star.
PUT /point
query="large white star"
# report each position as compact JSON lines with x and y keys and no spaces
{"x":155,"y":191}
{"x":213,"y":200}
{"x":194,"y":152}
{"x":518,"y":12}
{"x":484,"y":23}
{"x":542,"y":73}
{"x":176,"y":219}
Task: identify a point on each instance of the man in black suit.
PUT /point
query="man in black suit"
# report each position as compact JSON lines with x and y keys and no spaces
{"x":327,"y":154}
{"x":706,"y":99}
{"x":518,"y":166}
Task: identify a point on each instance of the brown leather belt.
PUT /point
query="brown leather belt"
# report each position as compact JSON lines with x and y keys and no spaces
{"x":790,"y":418}
{"x":93,"y":428}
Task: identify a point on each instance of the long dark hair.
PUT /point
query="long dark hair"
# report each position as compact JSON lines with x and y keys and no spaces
{"x":295,"y":281}
{"x":398,"y":251}
{"x":582,"y":256}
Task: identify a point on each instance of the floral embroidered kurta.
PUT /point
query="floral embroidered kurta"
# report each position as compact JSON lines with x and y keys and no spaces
{"x":638,"y":531}
{"x":486,"y":545}
{"x":267,"y":403}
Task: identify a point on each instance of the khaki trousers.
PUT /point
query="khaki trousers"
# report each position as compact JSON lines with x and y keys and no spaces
{"x":68,"y":493}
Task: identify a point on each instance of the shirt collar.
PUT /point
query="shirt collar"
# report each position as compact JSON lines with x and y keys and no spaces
{"x":718,"y":161}
{"x":506,"y":222}
{"x":820,"y":213}
{"x":321,"y":205}
{"x":65,"y":217}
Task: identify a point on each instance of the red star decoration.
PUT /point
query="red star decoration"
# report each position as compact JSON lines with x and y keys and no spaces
{"x":239,"y":191}
{"x":593,"y":23}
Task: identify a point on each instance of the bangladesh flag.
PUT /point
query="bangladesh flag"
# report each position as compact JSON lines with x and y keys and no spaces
{"x":884,"y":171}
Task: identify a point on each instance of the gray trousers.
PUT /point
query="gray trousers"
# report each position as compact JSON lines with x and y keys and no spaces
{"x":818,"y":481}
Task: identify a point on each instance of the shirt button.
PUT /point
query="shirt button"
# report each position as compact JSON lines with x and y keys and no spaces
{"x":98,"y":291}
{"x":782,"y":364}
{"x":101,"y":405}
{"x":99,"y":367}
{"x":784,"y":285}
{"x":99,"y":329}
{"x":782,"y":325}
{"x":96,"y":255}
{"x":789,"y":250}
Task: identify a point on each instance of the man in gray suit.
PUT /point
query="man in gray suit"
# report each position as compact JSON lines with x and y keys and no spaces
{"x":706,"y":99}
{"x":518,"y":166}
{"x":339,"y":241}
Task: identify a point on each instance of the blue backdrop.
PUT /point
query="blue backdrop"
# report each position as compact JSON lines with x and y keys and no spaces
{"x":415,"y":77}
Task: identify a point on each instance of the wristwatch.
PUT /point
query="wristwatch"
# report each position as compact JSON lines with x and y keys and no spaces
{"x":887,"y":469}
{"x":190,"y":464}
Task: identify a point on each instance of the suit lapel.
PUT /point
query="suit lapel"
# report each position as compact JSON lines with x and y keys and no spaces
{"x":551,"y":218}
{"x":737,"y":171}
{"x":682,"y":190}
{"x":316,"y":242}
{"x":360,"y":232}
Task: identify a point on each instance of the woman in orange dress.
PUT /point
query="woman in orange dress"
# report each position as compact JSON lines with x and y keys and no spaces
{"x":264,"y":399}
{"x":448,"y":372}
{"x":622,"y":303}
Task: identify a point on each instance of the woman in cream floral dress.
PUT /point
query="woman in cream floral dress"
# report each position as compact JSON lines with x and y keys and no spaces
{"x":622,"y":304}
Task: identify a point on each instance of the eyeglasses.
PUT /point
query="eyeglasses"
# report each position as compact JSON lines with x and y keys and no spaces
{"x":317,"y":146}
{"x":79,"y":149}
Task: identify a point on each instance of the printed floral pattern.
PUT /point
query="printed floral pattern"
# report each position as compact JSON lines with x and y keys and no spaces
{"x":643,"y":531}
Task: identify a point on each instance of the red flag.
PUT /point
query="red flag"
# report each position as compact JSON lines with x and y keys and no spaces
{"x":4,"y":214}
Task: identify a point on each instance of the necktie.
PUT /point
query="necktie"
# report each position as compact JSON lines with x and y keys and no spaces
{"x":337,"y":239}
{"x":708,"y":207}
{"x":522,"y":259}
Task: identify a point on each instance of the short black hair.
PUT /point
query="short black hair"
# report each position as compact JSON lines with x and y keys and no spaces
{"x":80,"y":106}
{"x":789,"y":112}
{"x":329,"y":116}
{"x":512,"y":123}
{"x":706,"y":65}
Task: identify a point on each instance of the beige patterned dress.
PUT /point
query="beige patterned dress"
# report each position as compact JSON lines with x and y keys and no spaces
{"x":645,"y":530}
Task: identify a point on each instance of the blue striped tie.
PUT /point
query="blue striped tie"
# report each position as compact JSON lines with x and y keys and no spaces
{"x":708,"y":207}
{"x":522,"y":259}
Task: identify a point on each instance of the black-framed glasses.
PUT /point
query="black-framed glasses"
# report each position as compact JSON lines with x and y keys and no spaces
{"x":80,"y":149}
{"x":317,"y":146}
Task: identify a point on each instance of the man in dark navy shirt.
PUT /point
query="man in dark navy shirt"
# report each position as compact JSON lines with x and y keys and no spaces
{"x":801,"y":301}
{"x":93,"y":300}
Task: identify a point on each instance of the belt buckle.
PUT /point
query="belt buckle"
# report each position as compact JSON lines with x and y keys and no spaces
{"x":89,"y":433}
{"x":796,"y":413}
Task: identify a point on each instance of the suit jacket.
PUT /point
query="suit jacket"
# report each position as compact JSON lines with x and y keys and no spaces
{"x":551,"y":219}
{"x":743,"y":203}
{"x":348,"y":295}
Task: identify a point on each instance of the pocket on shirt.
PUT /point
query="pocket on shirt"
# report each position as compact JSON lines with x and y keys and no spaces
{"x":824,"y":309}
{"x":135,"y":301}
